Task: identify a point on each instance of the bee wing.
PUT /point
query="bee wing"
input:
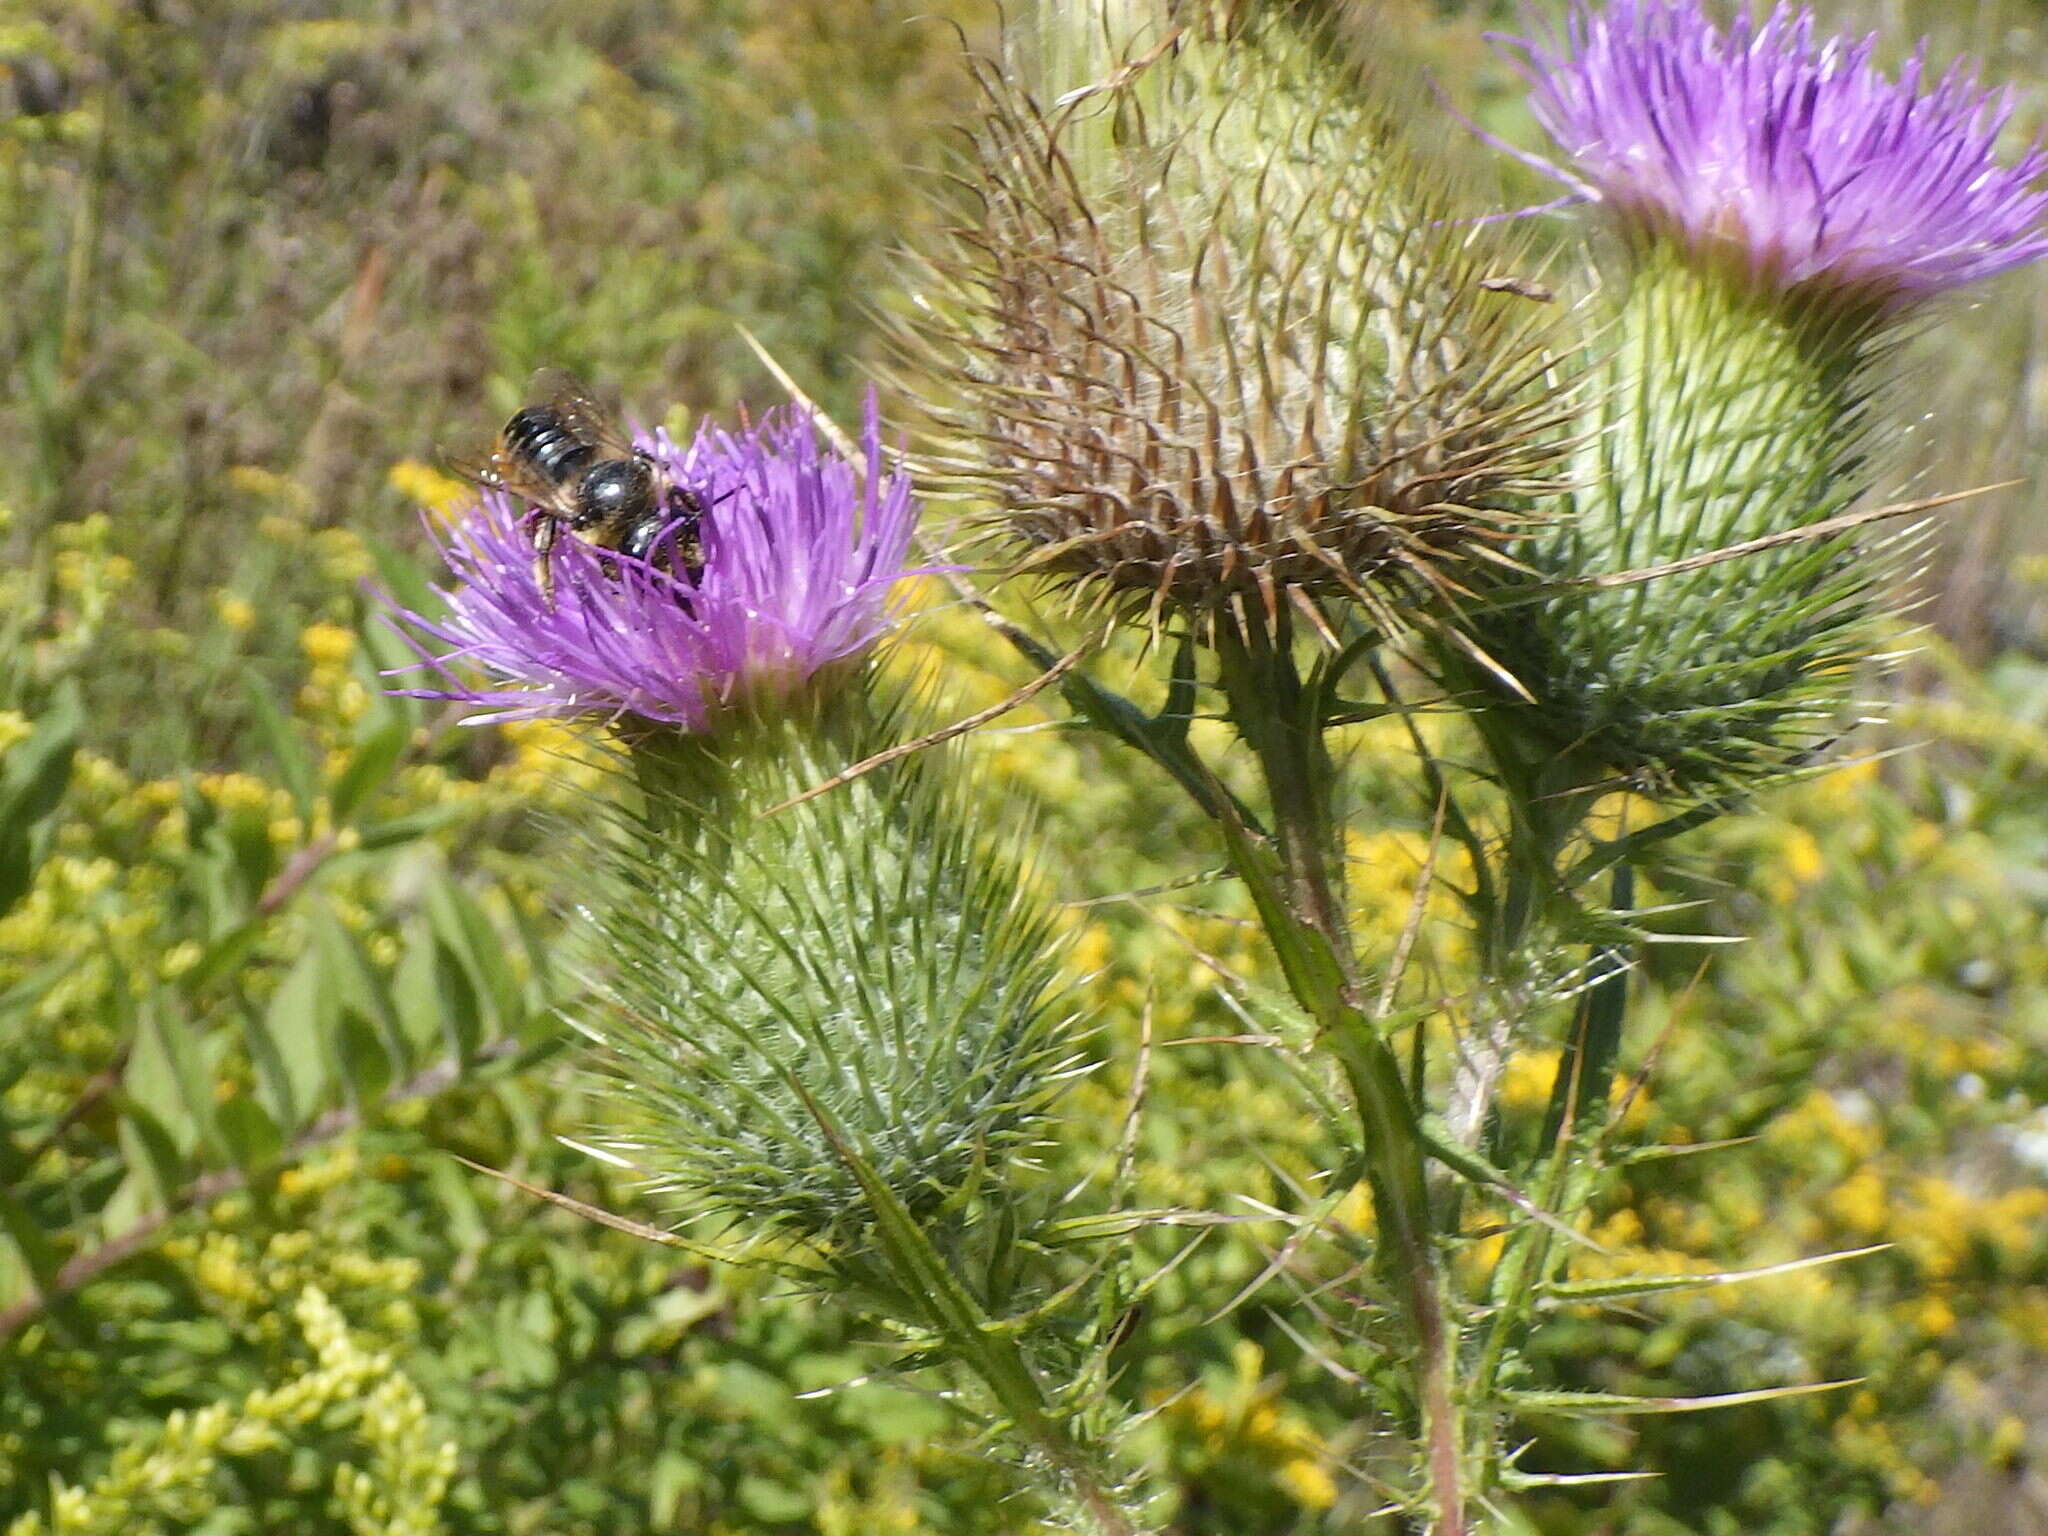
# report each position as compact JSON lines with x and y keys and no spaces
{"x":583,"y":413}
{"x":496,"y":470}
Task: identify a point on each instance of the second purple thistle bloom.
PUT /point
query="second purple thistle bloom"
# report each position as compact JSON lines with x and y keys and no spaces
{"x":802,"y":555}
{"x":1790,"y":153}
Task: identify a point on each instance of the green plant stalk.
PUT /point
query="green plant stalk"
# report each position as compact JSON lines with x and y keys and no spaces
{"x":1516,"y":905}
{"x":1718,"y":418}
{"x":1298,"y":891}
{"x":1577,"y":1104}
{"x":987,"y":1348}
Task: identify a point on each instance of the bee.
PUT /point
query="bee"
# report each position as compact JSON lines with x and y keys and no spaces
{"x":569,"y":461}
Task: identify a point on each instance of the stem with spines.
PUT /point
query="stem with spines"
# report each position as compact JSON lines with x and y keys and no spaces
{"x":1298,"y":890}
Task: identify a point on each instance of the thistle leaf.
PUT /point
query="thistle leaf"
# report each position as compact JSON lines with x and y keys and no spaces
{"x":1623,"y":1287}
{"x":1514,"y":1478}
{"x":1618,"y":1405}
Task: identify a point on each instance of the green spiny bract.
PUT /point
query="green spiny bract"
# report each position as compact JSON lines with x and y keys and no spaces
{"x":872,"y":963}
{"x":1209,"y":338}
{"x":1716,"y":419}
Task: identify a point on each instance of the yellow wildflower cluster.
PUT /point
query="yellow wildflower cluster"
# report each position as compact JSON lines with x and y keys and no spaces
{"x":85,"y":566}
{"x":249,"y":1278}
{"x":235,"y":612}
{"x":550,"y":760}
{"x":429,"y":489}
{"x":1245,"y":1420}
{"x":15,"y":728}
{"x":167,"y":1475}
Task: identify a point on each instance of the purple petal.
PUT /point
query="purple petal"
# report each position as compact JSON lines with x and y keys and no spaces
{"x":1794,"y":154}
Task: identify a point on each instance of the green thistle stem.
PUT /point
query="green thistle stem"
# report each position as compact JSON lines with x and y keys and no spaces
{"x":991,"y":1351}
{"x":1299,"y":895}
{"x":1578,"y":1103}
{"x":1271,"y":710}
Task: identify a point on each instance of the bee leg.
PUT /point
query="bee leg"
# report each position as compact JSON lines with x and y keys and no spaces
{"x":543,"y":568}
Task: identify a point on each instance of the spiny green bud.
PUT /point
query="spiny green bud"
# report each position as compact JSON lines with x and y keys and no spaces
{"x":1210,"y":338}
{"x":1717,"y":418}
{"x":872,"y":964}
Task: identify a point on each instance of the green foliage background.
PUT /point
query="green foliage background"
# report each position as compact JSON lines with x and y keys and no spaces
{"x":273,"y":947}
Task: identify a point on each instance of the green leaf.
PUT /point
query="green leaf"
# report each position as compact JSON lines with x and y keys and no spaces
{"x":287,"y":746}
{"x":245,"y":835}
{"x":1686,"y":1149}
{"x":17,"y":867}
{"x":30,"y":990}
{"x":373,"y":835}
{"x":37,"y":772}
{"x":399,"y":574}
{"x":1579,"y":1093}
{"x":31,"y":1244}
{"x":1163,"y":739}
{"x":773,"y":1503}
{"x":381,"y":653}
{"x":437,"y":1003}
{"x":39,"y":769}
{"x":152,"y":1158}
{"x":359,"y":988}
{"x":1177,"y":714}
{"x":224,"y":955}
{"x":273,"y":1080}
{"x":1612,"y":1404}
{"x":469,"y":938}
{"x":250,"y":1134}
{"x":365,"y":1066}
{"x":465,"y":1219}
{"x":1623,"y":1286}
{"x":458,"y":1007}
{"x":166,"y":1077}
{"x":921,"y":1273}
{"x":369,"y":766}
{"x":297,"y":1028}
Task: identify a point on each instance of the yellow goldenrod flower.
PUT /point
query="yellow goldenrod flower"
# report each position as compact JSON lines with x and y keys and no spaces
{"x":327,"y":644}
{"x":236,"y":613}
{"x":428,"y":488}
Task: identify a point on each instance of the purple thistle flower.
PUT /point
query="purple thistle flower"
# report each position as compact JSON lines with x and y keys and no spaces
{"x":801,"y":560}
{"x":1793,"y":155}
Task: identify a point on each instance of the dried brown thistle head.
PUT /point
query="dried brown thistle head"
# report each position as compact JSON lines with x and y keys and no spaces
{"x":1210,"y":340}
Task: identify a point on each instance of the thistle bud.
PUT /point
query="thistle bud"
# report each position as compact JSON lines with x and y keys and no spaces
{"x":1712,"y":422}
{"x":866,"y":964}
{"x":1211,"y":338}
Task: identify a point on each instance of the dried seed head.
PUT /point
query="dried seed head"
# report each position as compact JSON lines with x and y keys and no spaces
{"x":1211,"y":336}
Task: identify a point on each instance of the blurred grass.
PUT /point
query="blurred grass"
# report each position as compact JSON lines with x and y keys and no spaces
{"x":262,"y":256}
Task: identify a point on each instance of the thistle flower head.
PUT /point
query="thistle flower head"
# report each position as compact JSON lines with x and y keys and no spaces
{"x":1209,"y":338}
{"x":1789,"y":157}
{"x":801,"y":553}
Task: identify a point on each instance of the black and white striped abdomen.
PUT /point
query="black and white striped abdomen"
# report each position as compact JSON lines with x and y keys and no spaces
{"x":540,"y":437}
